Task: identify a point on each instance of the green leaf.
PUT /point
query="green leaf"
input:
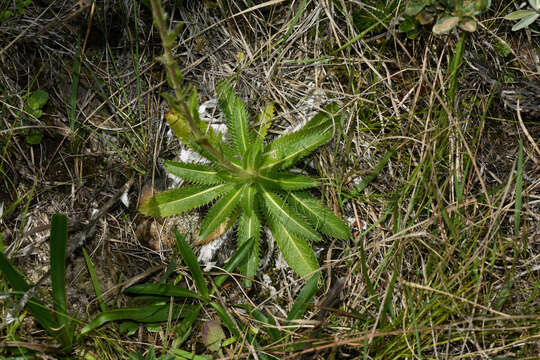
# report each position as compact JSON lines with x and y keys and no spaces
{"x":445,"y":24}
{"x":304,"y":298}
{"x":191,"y":261}
{"x":239,"y":256}
{"x":288,"y":149}
{"x":236,"y":116}
{"x":38,"y":99}
{"x":287,"y":181}
{"x":520,"y":14}
{"x":261,"y":317}
{"x":526,"y":21}
{"x":177,"y":201}
{"x":319,"y":215}
{"x":282,"y":213}
{"x":95,"y":281}
{"x":414,"y":7}
{"x":184,"y":328}
{"x":227,"y":321}
{"x":58,"y":266}
{"x":195,"y":173}
{"x":219,"y":212}
{"x":535,"y":4}
{"x":35,"y":137}
{"x":34,"y":306}
{"x":212,"y":335}
{"x":296,"y":251}
{"x":162,"y":290}
{"x":249,"y":199}
{"x":145,"y":314}
{"x":249,"y":227}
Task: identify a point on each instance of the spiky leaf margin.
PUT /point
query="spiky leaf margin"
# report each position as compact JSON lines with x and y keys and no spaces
{"x":194,"y":173}
{"x":219,"y":212}
{"x":236,"y":116}
{"x":178,"y":201}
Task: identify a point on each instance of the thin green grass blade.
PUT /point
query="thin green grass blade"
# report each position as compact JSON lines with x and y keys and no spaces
{"x":237,"y":259}
{"x":357,"y":191}
{"x":249,"y":226}
{"x":236,"y":116}
{"x":261,"y":317}
{"x":95,"y":281}
{"x":227,"y":321}
{"x":145,"y":314}
{"x":34,"y":306}
{"x":287,"y":181}
{"x":319,"y":215}
{"x":194,"y":173}
{"x":519,"y":190}
{"x":177,"y":201}
{"x":304,"y":298}
{"x":191,"y":261}
{"x":58,"y":266}
{"x":279,"y":211}
{"x":296,"y":251}
{"x":220,"y":211}
{"x":162,"y":290}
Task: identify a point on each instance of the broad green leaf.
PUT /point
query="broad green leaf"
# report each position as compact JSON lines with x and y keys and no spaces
{"x":161,"y":290}
{"x":304,"y":298}
{"x":237,"y":259}
{"x":287,"y":181}
{"x":281,"y":212}
{"x":34,"y":306}
{"x":38,"y":99}
{"x":145,"y":314}
{"x":249,"y":199}
{"x":219,"y":212}
{"x":191,"y":261}
{"x":445,"y":24}
{"x":319,"y":215}
{"x":296,"y":251}
{"x":58,"y":245}
{"x":177,"y":201}
{"x":526,"y":21}
{"x":195,"y":173}
{"x":535,"y":4}
{"x":249,"y":227}
{"x":236,"y":116}
{"x":520,"y":14}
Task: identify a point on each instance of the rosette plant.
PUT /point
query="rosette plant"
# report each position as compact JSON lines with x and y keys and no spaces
{"x":249,"y":180}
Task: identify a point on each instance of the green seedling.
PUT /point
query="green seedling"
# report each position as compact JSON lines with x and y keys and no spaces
{"x":525,"y":17}
{"x":251,"y":181}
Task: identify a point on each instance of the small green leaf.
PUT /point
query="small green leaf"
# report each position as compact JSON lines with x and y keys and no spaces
{"x":445,"y":24}
{"x":195,"y":173}
{"x":414,"y":7}
{"x":520,"y":14}
{"x":282,"y":213}
{"x":191,"y":261}
{"x":227,"y":321}
{"x":294,"y":249}
{"x":219,"y":212}
{"x":38,"y":99}
{"x":35,"y":137}
{"x":319,"y":215}
{"x":236,"y":116}
{"x":526,"y":21}
{"x":177,"y":201}
{"x":161,"y":290}
{"x":468,"y":24}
